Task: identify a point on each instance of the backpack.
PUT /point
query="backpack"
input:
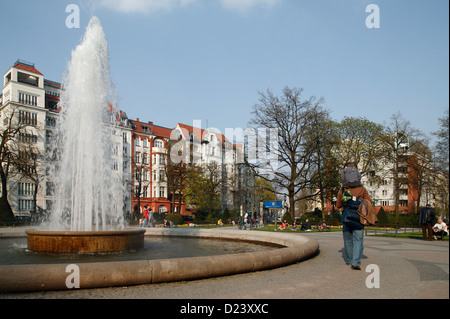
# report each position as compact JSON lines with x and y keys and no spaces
{"x":350,"y":215}
{"x":358,"y":212}
{"x":351,"y":177}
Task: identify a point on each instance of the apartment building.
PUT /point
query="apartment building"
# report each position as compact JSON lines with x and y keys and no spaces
{"x":30,"y":101}
{"x":149,"y":162}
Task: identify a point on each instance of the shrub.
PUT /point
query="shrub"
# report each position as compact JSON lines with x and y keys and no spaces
{"x":176,"y":219}
{"x":332,"y":221}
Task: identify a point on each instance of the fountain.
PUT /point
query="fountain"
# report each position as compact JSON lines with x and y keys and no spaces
{"x":87,"y":213}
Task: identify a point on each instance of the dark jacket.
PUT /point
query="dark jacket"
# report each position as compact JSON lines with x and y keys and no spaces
{"x":426,"y":216}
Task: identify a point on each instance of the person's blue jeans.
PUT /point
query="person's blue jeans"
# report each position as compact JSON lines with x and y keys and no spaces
{"x":146,"y":223}
{"x":353,"y":245}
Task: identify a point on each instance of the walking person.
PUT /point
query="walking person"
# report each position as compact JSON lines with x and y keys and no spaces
{"x":146,"y":218}
{"x":426,"y":219}
{"x":349,"y":198}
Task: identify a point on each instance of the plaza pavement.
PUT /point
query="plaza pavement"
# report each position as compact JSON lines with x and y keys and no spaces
{"x":408,"y":269}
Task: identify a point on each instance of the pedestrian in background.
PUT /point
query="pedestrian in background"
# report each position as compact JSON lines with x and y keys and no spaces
{"x":426,"y":220}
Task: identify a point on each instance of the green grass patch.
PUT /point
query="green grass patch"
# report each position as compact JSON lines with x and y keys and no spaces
{"x":411,"y":235}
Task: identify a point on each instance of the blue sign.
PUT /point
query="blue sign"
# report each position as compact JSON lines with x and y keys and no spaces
{"x":278,"y":204}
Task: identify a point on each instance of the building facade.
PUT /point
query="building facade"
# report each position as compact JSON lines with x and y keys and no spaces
{"x":29,"y":106}
{"x":141,"y":151}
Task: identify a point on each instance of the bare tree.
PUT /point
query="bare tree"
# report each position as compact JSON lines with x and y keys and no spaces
{"x":294,"y":120}
{"x":442,"y":143}
{"x":14,"y":158}
{"x":176,"y":172}
{"x":397,"y":140}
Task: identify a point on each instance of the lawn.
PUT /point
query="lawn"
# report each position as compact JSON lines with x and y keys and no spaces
{"x":412,"y":235}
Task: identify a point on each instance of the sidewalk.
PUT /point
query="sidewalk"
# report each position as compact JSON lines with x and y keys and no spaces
{"x":408,"y":269}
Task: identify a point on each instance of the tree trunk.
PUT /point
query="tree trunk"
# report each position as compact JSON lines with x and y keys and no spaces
{"x":6,"y":213}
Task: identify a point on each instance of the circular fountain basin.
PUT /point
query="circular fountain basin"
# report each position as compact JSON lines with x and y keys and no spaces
{"x":85,"y":241}
{"x":39,"y":277}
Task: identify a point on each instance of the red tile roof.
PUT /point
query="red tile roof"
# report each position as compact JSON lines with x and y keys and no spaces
{"x":153,"y":129}
{"x":198,"y":131}
{"x":26,"y":68}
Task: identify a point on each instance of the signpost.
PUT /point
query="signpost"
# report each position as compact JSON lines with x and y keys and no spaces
{"x":277,"y":204}
{"x":274,"y":206}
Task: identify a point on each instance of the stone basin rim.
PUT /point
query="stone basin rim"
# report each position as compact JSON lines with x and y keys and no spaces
{"x":124,"y":232}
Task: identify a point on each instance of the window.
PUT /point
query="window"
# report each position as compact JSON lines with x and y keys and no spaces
{"x":154,"y":158}
{"x":50,"y":121}
{"x":145,"y":158}
{"x":26,"y":189}
{"x":27,"y":118}
{"x":137,"y":141}
{"x":162,"y":159}
{"x":154,"y":191}
{"x":385,"y":192}
{"x":28,"y":138}
{"x":384,"y":203}
{"x":26,"y":204}
{"x":137,"y":157}
{"x":159,"y":143}
{"x":28,"y":79}
{"x":144,"y":142}
{"x":145,"y":192}
{"x":27,"y":99}
{"x":162,"y":192}
{"x":124,"y":136}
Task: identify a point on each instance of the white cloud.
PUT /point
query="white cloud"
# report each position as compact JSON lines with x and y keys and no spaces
{"x":244,"y":5}
{"x":142,"y":6}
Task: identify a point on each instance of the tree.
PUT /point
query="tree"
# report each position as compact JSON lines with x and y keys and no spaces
{"x":141,"y":181}
{"x":14,"y":156}
{"x":442,"y":143}
{"x":442,"y":162}
{"x":176,"y":172}
{"x":292,"y":117}
{"x":397,"y":140}
{"x":358,"y":142}
{"x":326,"y":176}
{"x":203,"y":185}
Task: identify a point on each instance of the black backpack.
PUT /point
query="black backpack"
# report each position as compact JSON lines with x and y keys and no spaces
{"x":351,"y":177}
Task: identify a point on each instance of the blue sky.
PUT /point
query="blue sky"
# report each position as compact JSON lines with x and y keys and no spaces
{"x":184,"y":60}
